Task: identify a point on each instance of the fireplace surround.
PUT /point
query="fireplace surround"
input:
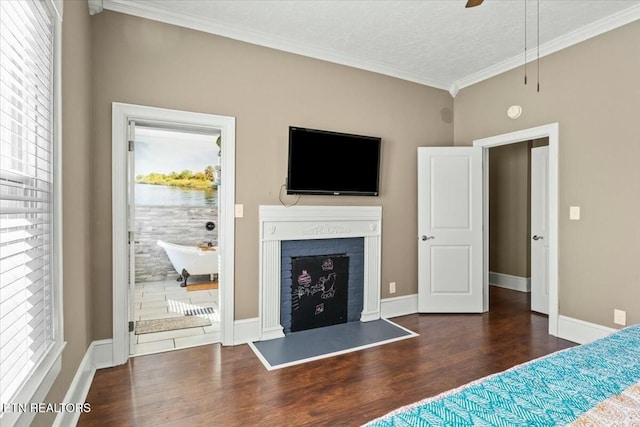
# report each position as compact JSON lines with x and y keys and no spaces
{"x":279,"y":223}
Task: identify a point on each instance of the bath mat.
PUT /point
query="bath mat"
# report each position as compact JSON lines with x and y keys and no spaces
{"x":198,"y":311}
{"x":202,"y":286}
{"x":170,"y":324}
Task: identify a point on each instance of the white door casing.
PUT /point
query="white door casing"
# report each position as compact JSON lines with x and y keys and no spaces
{"x":540,"y":229}
{"x":552,"y":132}
{"x":450,"y":219}
{"x":131,"y":214}
{"x":121,"y":115}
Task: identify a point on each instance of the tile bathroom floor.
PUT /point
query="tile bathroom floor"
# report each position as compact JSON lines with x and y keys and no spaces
{"x":164,"y":299}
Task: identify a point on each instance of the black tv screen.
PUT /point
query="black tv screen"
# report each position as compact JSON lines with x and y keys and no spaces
{"x":323,"y":162}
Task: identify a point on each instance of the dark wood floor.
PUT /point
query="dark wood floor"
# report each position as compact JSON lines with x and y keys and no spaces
{"x":227,"y":386}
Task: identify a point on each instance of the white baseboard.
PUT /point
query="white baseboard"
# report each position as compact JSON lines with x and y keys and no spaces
{"x":579,"y":331}
{"x":399,"y":306}
{"x":103,"y":354}
{"x":507,"y":281}
{"x":246,"y":330}
{"x":98,"y":355}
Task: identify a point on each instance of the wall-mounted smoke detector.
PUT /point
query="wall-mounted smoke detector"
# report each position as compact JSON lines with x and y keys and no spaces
{"x":514,"y":111}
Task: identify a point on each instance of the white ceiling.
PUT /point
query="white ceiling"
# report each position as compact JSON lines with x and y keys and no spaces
{"x":434,"y":42}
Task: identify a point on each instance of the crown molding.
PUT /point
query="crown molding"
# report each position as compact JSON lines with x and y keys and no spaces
{"x":218,"y":28}
{"x":257,"y":38}
{"x":454,"y":89}
{"x":599,"y":27}
{"x":95,"y":7}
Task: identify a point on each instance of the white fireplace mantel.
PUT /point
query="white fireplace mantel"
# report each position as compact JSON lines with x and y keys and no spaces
{"x":279,"y":223}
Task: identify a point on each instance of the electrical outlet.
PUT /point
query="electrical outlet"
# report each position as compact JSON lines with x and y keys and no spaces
{"x":392,"y":287}
{"x":620,"y":317}
{"x":239,"y":211}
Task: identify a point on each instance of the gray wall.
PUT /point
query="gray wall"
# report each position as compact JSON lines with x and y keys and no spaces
{"x":144,"y":62}
{"x":77,"y":287}
{"x":509,"y":209}
{"x":592,"y":90}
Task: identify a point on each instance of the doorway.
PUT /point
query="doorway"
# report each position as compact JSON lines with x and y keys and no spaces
{"x":122,"y":221}
{"x":453,"y":212}
{"x":517,"y":221}
{"x":173,"y":202}
{"x":549,"y":132}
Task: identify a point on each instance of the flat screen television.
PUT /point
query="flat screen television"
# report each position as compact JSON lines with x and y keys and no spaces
{"x":332,"y":163}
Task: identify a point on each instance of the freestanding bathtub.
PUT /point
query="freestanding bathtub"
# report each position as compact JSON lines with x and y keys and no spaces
{"x":191,"y":260}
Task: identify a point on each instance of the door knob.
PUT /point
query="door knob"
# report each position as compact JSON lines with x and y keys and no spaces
{"x":427,"y":238}
{"x":537,"y":237}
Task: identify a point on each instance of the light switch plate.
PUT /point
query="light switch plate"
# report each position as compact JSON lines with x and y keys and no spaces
{"x":574,"y":213}
{"x":239,"y":211}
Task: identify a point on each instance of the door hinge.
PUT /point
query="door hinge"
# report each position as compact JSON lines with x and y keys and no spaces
{"x":130,"y":236}
{"x":131,"y":134}
{"x":130,"y":326}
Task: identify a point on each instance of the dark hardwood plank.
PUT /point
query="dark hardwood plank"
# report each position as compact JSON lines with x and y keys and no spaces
{"x":228,"y":386}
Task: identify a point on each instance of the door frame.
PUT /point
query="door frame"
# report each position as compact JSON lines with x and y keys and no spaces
{"x":550,"y":131}
{"x":121,"y":115}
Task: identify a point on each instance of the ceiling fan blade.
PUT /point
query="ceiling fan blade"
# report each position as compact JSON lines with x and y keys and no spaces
{"x":474,"y":3}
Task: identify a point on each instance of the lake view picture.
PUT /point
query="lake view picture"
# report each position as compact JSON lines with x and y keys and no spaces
{"x":185,"y":188}
{"x":172,"y":172}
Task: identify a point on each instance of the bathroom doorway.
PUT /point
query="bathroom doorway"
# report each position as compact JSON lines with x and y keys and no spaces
{"x":123,"y":341}
{"x":173,"y":198}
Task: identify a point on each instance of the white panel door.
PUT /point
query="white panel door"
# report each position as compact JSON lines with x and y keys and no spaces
{"x":450,"y":246}
{"x":540,"y":229}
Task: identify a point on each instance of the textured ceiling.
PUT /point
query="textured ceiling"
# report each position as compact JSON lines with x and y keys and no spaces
{"x":438,"y":43}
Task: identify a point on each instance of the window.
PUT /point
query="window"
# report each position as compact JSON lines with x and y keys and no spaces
{"x":30,"y":300}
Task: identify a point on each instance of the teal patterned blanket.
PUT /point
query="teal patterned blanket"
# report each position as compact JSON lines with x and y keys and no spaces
{"x":591,"y":384}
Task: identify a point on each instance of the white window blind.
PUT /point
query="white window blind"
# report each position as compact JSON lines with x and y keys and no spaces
{"x":26,"y":190}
